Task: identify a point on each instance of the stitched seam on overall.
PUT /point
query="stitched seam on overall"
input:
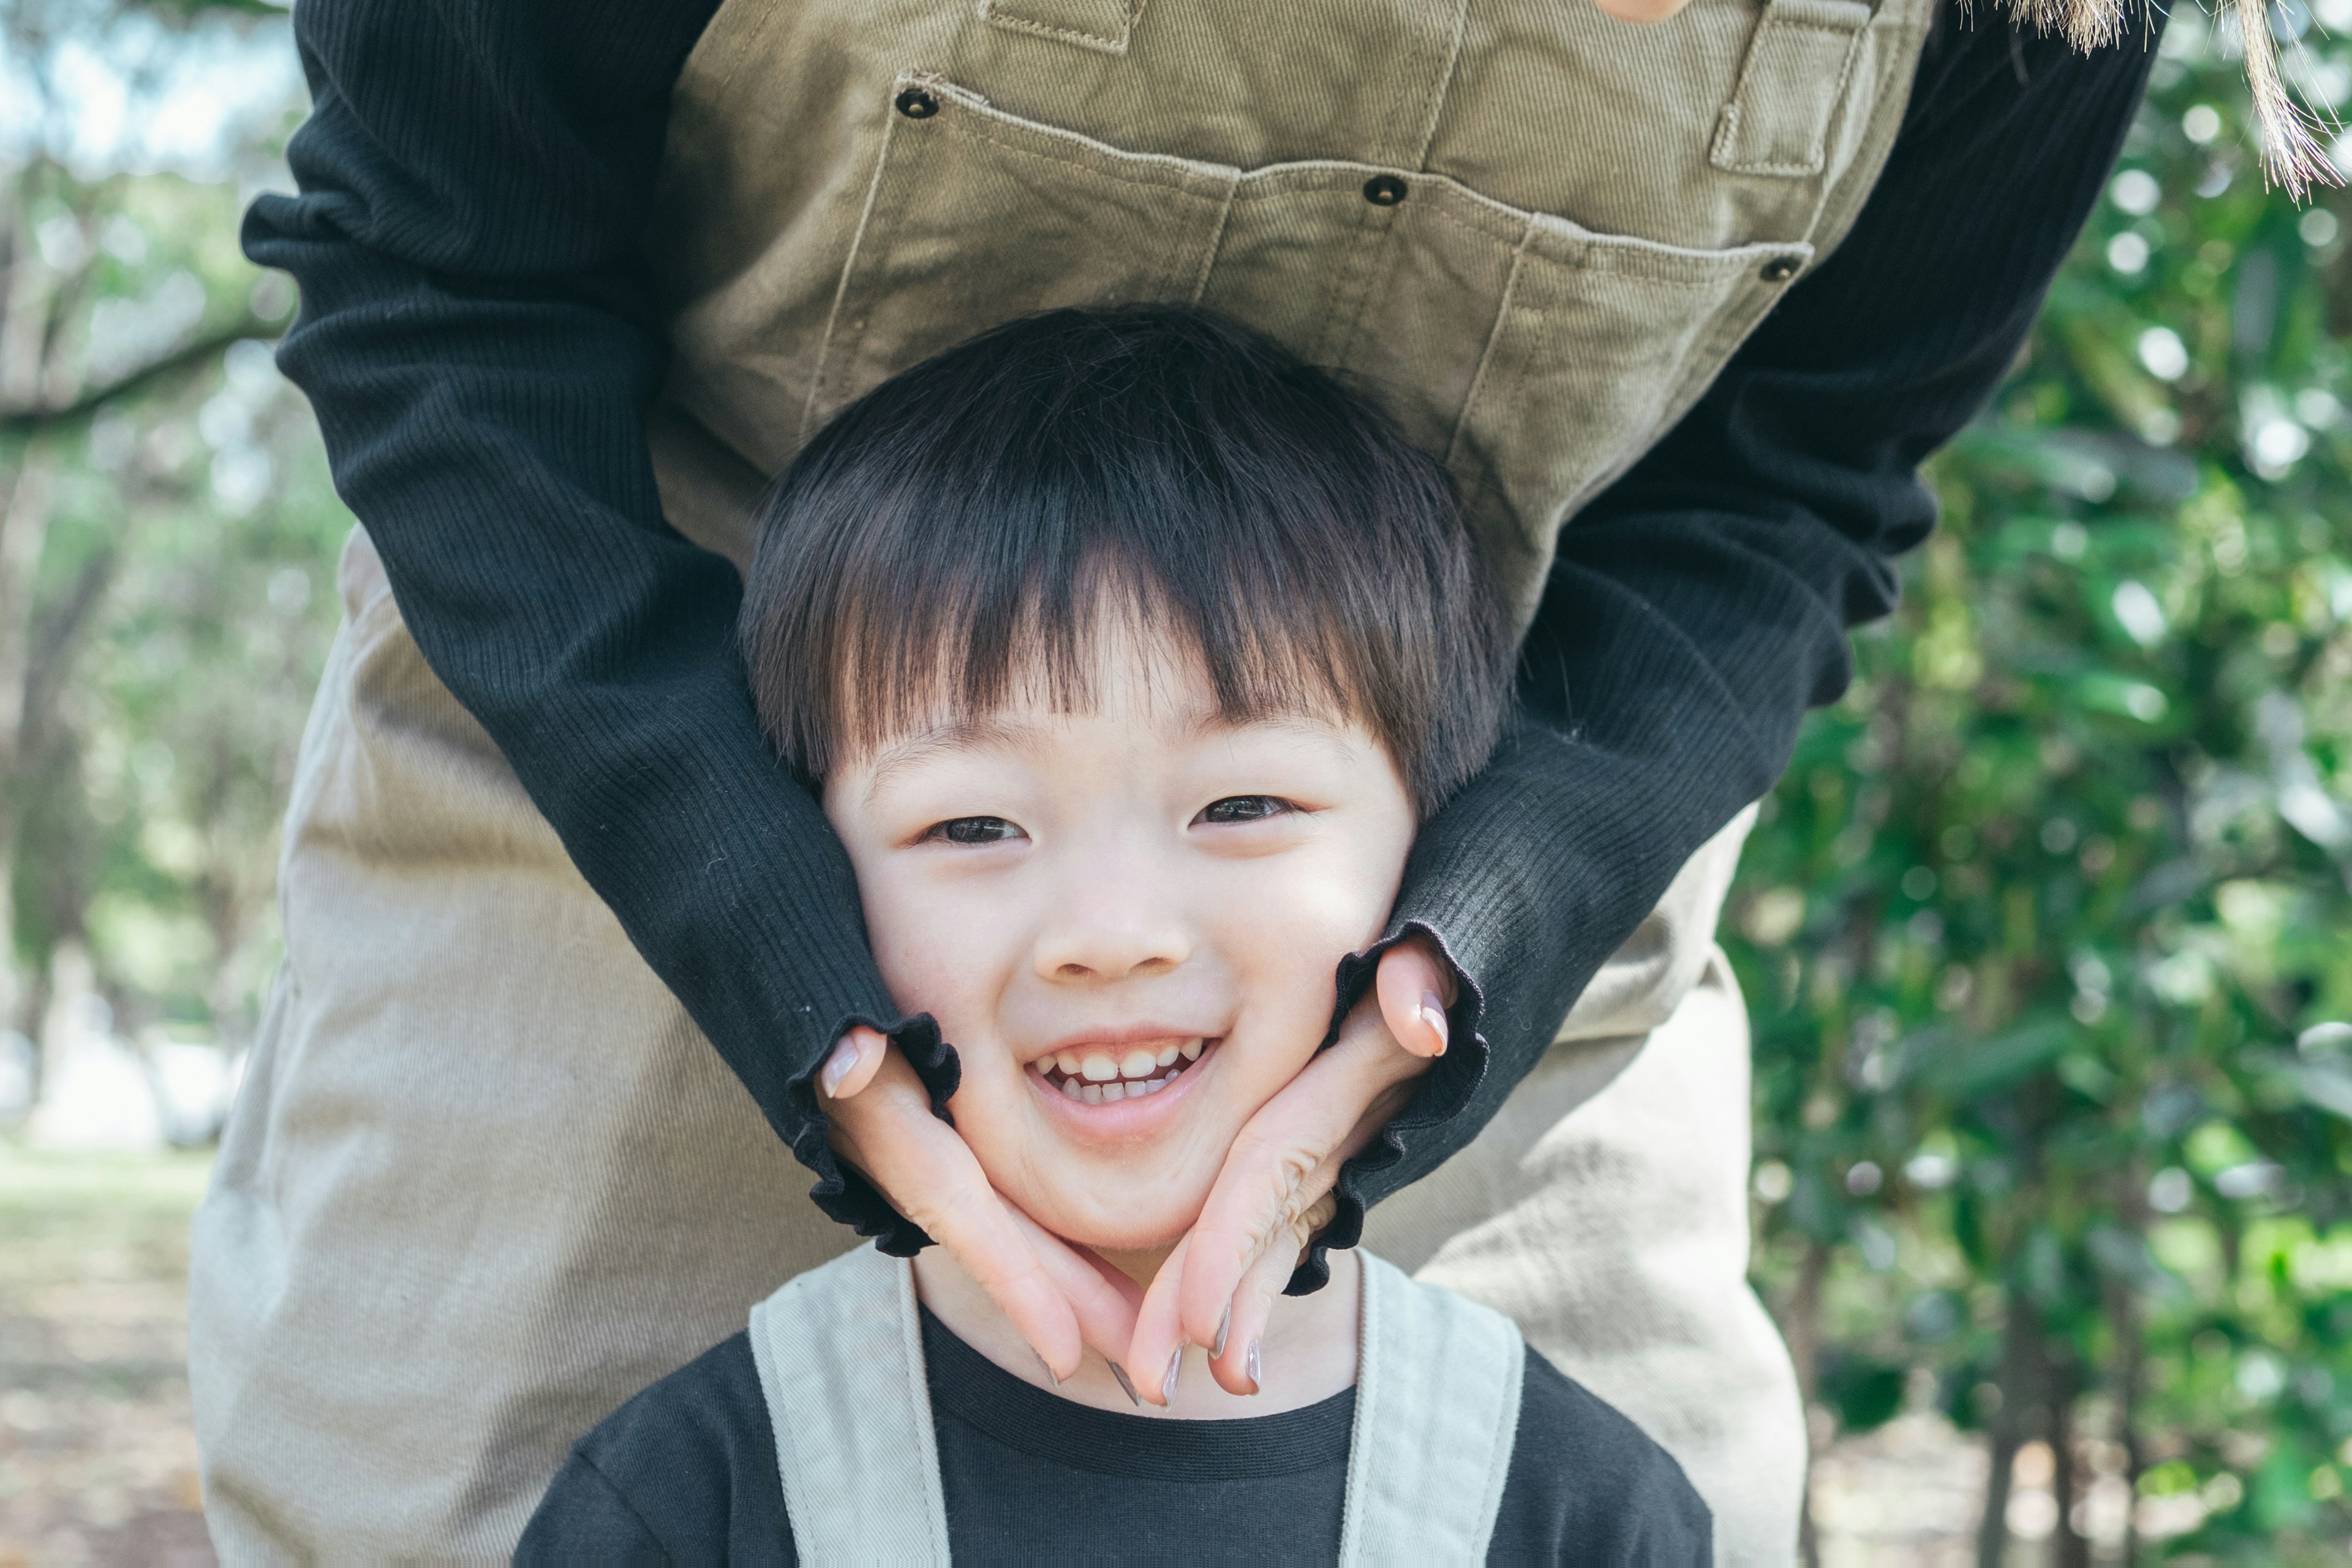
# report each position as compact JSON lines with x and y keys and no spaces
{"x":1904,"y":38}
{"x":1158,"y":171}
{"x":1444,"y":84}
{"x":1486,"y":355}
{"x":1153,"y":166}
{"x":996,"y":18}
{"x":1817,"y":156}
{"x":827,"y":353}
{"x":1212,"y":251}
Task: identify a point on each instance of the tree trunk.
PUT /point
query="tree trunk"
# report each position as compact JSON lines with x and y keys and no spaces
{"x":2023,"y":1384}
{"x":2130,"y":1356}
{"x":23,"y":528}
{"x":32,"y":1008}
{"x":1803,"y":1331}
{"x":2073,"y":1549}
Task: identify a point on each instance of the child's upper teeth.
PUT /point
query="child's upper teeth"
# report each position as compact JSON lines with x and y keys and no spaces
{"x":1096,"y":1077}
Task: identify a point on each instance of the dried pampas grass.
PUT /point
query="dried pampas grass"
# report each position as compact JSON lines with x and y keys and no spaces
{"x":2293,"y":157}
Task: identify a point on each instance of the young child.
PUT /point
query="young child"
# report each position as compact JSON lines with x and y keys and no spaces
{"x":1128,"y":653}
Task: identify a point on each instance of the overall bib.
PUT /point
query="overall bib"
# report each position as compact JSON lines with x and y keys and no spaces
{"x":840,"y":1353}
{"x":485,"y":1178}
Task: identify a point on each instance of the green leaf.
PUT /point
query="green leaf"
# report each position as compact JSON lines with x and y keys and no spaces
{"x":1865,"y":1393}
{"x":2124,"y":1254}
{"x":1966,"y":1070}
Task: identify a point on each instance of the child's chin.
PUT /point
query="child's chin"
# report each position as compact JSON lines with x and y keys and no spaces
{"x":1144,"y":1228}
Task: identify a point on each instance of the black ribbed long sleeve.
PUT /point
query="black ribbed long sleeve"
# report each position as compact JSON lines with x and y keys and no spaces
{"x":481,"y":341}
{"x":478,"y":336}
{"x":1700,"y":606}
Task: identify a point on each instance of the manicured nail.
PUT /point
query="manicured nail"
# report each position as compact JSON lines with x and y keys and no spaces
{"x":1126,"y":1387}
{"x":1250,"y":1366}
{"x":1433,"y":1012}
{"x":1053,"y":1376}
{"x":836,"y":1068}
{"x":1225,"y":1326}
{"x":1168,"y":1384}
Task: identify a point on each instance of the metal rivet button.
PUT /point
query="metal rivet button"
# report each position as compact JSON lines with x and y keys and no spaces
{"x":1384,"y":190}
{"x":916,"y":104}
{"x":1779,"y":269}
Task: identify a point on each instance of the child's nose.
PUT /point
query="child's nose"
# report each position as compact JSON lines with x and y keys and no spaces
{"x":1111,"y":941}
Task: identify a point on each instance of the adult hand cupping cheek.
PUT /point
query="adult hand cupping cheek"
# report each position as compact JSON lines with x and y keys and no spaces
{"x":1056,"y":1295}
{"x":1217,"y":1287}
{"x":1274,"y":1193}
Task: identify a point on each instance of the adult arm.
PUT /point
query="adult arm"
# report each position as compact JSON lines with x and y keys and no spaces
{"x":1700,"y":606}
{"x":1696,"y":610}
{"x":480,"y":339}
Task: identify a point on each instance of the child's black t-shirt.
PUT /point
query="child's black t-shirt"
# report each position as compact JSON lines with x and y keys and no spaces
{"x":686,"y":1472}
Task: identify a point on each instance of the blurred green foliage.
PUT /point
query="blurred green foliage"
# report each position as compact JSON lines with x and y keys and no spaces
{"x":167,"y":524}
{"x":2047,"y":934}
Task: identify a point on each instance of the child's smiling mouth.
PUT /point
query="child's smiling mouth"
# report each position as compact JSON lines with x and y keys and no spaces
{"x":1102,"y":1074}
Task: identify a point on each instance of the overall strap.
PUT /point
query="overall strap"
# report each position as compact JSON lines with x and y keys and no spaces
{"x":1438,"y":1413}
{"x":840,"y":1353}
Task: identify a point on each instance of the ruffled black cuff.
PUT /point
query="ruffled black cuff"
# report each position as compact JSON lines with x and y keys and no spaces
{"x":842,"y":1193}
{"x":1444,"y":1093}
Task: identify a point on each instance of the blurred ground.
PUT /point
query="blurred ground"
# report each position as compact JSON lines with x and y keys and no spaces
{"x":97,"y":1465}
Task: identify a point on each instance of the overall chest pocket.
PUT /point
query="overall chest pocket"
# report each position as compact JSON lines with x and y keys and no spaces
{"x":1537,"y":358}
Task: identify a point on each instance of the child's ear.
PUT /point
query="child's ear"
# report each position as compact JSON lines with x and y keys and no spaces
{"x":1413,"y":984}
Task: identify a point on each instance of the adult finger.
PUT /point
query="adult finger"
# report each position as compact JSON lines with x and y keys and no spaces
{"x":1158,"y":1333}
{"x":1282,"y":1161}
{"x":930,"y":1175}
{"x":1105,"y":1301}
{"x":1287,"y":1157}
{"x":1289,"y":1154}
{"x":1236,"y":1364}
{"x":1414,"y":989}
{"x":1642,"y":12}
{"x":856,"y":1058}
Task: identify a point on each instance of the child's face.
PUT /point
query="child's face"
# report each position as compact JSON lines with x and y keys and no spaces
{"x":1126,"y":920}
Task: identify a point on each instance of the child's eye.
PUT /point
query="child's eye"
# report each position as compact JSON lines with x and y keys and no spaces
{"x":1244,"y":808}
{"x":974,"y":830}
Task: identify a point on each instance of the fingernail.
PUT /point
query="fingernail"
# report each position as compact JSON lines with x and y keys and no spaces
{"x":1052,"y":1376}
{"x":1433,"y":1012}
{"x":836,"y":1068}
{"x":1168,"y":1384}
{"x":1225,"y":1326}
{"x":1250,"y":1366}
{"x":1126,"y":1387}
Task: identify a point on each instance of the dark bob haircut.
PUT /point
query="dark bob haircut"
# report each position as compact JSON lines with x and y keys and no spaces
{"x":964,"y":528}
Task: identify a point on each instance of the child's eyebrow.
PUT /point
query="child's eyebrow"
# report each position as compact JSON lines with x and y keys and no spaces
{"x":947,"y":735}
{"x":1321,"y":732}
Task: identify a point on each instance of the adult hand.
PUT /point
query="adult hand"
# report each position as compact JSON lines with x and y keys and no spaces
{"x":1059,"y":1298}
{"x":1643,"y":12}
{"x":1219,"y":1285}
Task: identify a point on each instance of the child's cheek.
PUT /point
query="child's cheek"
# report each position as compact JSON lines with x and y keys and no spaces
{"x":931,"y":950}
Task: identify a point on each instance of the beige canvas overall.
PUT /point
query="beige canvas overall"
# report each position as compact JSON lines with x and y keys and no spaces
{"x":485,"y":1179}
{"x":840,"y":1353}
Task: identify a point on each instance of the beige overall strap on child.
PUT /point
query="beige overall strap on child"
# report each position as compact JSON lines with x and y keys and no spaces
{"x":1438,"y":1413}
{"x":841,"y":1364}
{"x":840,"y":1353}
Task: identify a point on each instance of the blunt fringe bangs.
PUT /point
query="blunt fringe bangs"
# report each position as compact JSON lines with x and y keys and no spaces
{"x":971,"y":526}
